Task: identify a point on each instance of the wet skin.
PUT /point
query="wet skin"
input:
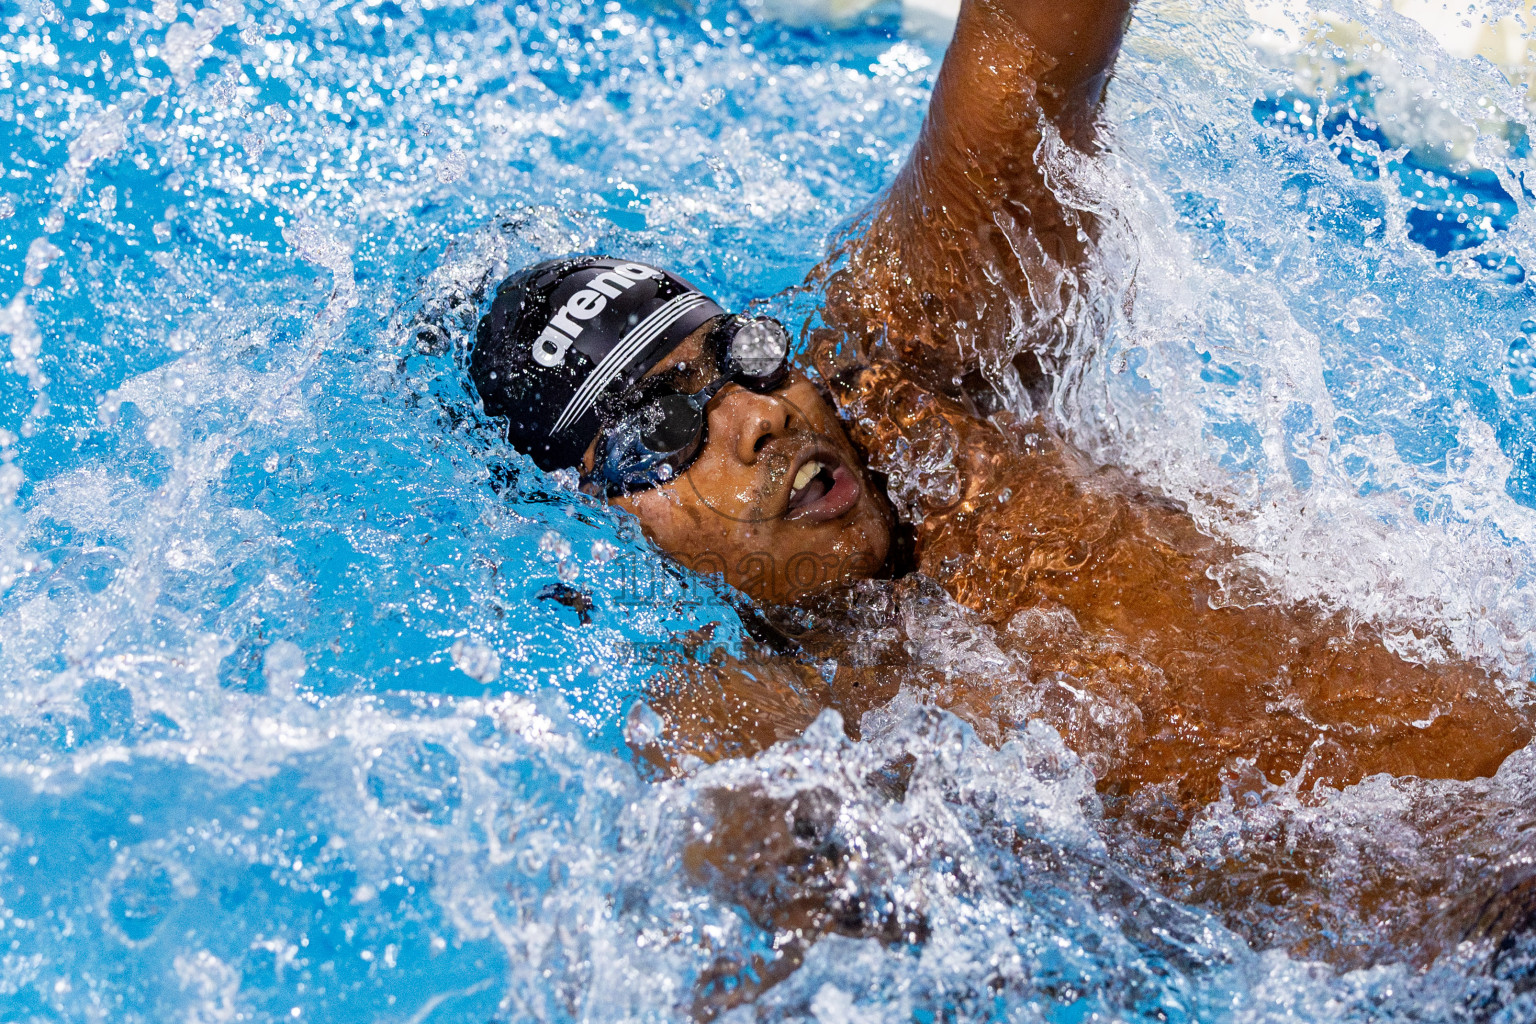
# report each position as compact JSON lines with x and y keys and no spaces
{"x":1099,"y":595}
{"x":736,"y":510}
{"x":1019,"y":526}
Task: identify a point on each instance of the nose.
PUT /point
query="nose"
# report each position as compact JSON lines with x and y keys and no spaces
{"x":749,"y":420}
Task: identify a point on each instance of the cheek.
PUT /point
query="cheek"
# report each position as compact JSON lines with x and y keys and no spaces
{"x":873,"y":525}
{"x":677,"y":520}
{"x":808,"y":401}
{"x":667,"y":518}
{"x":726,"y":494}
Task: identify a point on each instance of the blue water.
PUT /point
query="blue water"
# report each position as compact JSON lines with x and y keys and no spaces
{"x":288,"y":732}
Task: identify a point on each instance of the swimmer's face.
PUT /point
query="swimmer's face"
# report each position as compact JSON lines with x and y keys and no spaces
{"x":778,"y":501}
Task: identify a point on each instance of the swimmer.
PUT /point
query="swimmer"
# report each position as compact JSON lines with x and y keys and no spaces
{"x":784,"y":480}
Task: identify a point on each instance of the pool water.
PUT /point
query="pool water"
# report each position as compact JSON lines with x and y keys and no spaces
{"x":296,"y":724}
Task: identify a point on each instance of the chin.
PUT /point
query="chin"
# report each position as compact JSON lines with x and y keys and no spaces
{"x":867,"y":538}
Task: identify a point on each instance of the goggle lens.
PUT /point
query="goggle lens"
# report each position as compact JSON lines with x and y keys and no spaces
{"x":661,"y":435}
{"x":673,"y":423}
{"x":759,"y":349}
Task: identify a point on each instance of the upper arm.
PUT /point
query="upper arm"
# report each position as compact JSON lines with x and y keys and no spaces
{"x":970,"y":247}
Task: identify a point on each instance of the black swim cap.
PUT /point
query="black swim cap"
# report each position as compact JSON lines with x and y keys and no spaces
{"x":562,"y":334}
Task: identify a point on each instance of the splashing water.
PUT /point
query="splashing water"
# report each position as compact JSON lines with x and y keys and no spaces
{"x":1324,"y":370}
{"x":298,"y":720}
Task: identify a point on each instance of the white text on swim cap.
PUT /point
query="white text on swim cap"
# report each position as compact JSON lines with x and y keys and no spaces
{"x":564,"y":327}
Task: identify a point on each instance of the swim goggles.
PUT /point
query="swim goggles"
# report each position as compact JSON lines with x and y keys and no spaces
{"x":655,"y":432}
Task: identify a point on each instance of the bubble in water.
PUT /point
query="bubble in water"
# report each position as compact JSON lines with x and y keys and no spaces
{"x":40,"y":256}
{"x":283,"y":666}
{"x":553,"y":546}
{"x":182,"y":49}
{"x":17,"y":321}
{"x":254,"y":143}
{"x":476,"y":660}
{"x":109,"y":407}
{"x":642,"y":726}
{"x":453,"y":167}
{"x":100,"y":138}
{"x":141,"y":899}
{"x":225,"y":89}
{"x":420,"y":778}
{"x":213,"y":982}
{"x":11,"y":479}
{"x":163,"y":432}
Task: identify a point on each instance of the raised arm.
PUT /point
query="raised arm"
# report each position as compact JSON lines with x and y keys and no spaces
{"x":1065,"y":48}
{"x":968,"y":250}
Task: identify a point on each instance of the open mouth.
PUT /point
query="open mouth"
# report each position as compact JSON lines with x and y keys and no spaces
{"x":822,"y":488}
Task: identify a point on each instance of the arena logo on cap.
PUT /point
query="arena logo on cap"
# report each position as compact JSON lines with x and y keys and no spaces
{"x":565,"y":327}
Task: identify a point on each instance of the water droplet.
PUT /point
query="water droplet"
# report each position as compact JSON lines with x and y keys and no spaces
{"x":283,"y":665}
{"x":476,"y":660}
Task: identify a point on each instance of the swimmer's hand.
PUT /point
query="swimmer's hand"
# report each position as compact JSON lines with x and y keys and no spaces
{"x":799,"y":873}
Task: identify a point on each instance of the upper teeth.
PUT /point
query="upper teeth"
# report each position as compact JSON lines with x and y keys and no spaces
{"x":807,"y":473}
